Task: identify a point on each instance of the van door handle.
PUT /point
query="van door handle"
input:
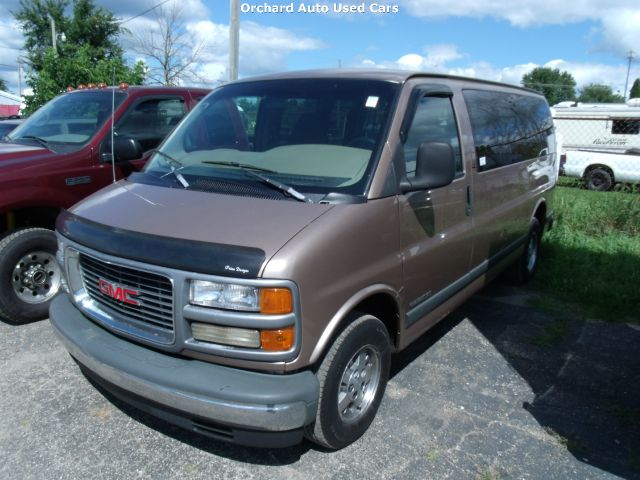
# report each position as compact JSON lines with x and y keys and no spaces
{"x":467,"y":210}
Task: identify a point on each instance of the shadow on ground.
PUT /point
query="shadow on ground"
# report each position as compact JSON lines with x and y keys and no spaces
{"x":585,"y":376}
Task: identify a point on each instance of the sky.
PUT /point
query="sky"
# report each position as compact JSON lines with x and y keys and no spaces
{"x":492,"y":39}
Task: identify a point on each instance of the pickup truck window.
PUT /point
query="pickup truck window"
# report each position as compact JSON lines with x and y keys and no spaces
{"x":318,"y":136}
{"x":70,"y":120}
{"x":151,"y":120}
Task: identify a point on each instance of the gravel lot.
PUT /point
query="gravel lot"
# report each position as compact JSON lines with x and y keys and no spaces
{"x":496,"y":391}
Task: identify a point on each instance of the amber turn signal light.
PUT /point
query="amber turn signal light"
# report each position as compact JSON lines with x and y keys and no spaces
{"x":276,"y":301}
{"x":278,"y":340}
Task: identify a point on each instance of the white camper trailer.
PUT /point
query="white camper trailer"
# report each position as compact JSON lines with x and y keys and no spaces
{"x":601,"y":142}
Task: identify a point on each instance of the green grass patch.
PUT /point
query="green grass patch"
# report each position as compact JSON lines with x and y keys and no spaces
{"x":552,"y":334}
{"x":592,"y":255}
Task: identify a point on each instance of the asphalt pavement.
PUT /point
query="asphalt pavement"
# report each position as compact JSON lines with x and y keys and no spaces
{"x":498,"y":390}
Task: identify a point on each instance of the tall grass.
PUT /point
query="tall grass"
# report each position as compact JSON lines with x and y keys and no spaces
{"x":592,"y":255}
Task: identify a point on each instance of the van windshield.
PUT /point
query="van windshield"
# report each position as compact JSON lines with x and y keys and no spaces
{"x":316,"y":136}
{"x":68,"y":121}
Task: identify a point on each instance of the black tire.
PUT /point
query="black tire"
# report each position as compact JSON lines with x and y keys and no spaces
{"x":524,"y":268}
{"x":29,"y":275}
{"x":599,"y":179}
{"x":364,"y":341}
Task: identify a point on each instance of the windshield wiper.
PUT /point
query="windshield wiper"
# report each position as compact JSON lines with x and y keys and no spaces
{"x":239,"y":165}
{"x":280,"y":186}
{"x":40,"y":140}
{"x":248,"y":169}
{"x":174,"y":166}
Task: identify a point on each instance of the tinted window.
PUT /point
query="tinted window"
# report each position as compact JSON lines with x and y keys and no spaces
{"x":625,"y":126}
{"x":507,"y":128}
{"x":151,"y":120}
{"x":433,"y":121}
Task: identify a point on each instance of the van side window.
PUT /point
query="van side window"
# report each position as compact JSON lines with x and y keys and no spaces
{"x":151,"y":120}
{"x":507,"y":128}
{"x":433,"y":121}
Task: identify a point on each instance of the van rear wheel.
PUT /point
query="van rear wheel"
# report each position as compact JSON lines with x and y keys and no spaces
{"x":525,"y":266}
{"x":353,"y":377}
{"x":29,"y":274}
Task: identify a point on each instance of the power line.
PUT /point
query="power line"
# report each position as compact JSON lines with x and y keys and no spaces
{"x":145,"y":12}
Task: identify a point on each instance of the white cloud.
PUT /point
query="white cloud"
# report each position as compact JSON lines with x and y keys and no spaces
{"x":262,"y":48}
{"x":618,"y":19}
{"x":583,"y":72}
{"x":433,"y":58}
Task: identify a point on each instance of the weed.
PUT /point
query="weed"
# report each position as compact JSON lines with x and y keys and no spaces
{"x":629,"y":416}
{"x":552,"y":334}
{"x":432,"y":455}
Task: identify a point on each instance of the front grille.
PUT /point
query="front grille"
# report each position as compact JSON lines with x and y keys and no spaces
{"x":154,"y":292}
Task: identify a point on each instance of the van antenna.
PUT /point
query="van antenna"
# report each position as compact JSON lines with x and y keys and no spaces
{"x":113,"y":114}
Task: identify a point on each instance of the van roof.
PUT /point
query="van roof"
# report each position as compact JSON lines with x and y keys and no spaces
{"x":383,"y":74}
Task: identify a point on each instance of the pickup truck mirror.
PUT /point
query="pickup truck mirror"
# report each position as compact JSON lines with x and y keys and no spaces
{"x":435,"y":167}
{"x":124,"y":149}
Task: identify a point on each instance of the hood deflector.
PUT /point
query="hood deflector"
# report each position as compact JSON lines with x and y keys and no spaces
{"x":181,"y":254}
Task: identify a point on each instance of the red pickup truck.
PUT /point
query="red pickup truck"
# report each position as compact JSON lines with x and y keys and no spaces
{"x":59,"y":155}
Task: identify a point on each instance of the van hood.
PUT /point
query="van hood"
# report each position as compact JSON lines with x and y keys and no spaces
{"x":174,"y":215}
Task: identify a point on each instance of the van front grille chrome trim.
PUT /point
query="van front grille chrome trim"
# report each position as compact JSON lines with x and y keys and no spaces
{"x":149,"y":304}
{"x":137,"y":300}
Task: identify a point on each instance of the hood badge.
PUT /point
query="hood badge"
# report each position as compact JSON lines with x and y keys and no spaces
{"x":229,"y":268}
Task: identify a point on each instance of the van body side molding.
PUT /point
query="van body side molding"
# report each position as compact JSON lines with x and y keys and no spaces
{"x":181,"y":254}
{"x":434,"y":301}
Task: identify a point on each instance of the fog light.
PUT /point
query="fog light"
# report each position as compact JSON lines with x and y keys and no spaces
{"x":237,"y":337}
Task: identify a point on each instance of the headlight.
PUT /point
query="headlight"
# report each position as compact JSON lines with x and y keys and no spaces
{"x":225,"y":295}
{"x":272,"y":301}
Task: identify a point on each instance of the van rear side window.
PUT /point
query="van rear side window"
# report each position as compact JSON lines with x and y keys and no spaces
{"x":507,"y":128}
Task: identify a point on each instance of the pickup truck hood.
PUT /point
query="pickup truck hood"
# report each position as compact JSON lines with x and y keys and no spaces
{"x":199,"y":216}
{"x":14,"y":153}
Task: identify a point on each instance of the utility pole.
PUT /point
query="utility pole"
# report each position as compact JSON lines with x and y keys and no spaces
{"x":19,"y":79}
{"x":52,"y":22}
{"x":626,"y":83}
{"x":234,"y":38}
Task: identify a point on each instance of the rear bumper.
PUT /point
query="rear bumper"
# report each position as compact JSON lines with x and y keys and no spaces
{"x":231,"y":404}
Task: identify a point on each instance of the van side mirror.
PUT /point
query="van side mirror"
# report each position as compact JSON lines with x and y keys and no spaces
{"x":124,"y":149}
{"x":435,"y":167}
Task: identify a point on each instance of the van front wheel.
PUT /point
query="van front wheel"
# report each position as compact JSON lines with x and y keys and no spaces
{"x":353,"y":377}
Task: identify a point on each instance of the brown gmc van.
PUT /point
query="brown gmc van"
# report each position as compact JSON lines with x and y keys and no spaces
{"x":295,"y":230}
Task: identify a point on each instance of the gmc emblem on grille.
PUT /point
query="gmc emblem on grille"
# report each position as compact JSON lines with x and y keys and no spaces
{"x":118,"y":292}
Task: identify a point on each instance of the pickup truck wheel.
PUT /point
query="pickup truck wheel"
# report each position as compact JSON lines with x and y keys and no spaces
{"x":353,"y":377}
{"x":29,"y":274}
{"x":599,"y":179}
{"x":525,"y":266}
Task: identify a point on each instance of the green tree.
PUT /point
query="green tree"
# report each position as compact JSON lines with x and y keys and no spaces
{"x":81,"y":68}
{"x":555,"y":85}
{"x":90,"y":51}
{"x":596,"y":93}
{"x":635,"y":89}
{"x":3,"y":85}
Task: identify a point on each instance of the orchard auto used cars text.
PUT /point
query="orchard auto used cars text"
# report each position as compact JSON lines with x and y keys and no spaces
{"x":317,"y":8}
